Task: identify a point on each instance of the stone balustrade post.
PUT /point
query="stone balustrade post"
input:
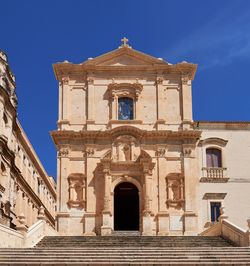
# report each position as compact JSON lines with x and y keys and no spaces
{"x":247,"y":240}
{"x":21,"y":224}
{"x":222,"y":216}
{"x":41,"y":214}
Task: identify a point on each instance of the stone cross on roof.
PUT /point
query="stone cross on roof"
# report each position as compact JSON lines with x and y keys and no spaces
{"x":124,"y":41}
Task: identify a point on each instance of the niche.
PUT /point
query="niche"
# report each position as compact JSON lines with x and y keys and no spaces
{"x":76,"y":197}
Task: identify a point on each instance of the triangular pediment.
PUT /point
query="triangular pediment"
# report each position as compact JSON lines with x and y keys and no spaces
{"x":123,"y":60}
{"x":124,"y":57}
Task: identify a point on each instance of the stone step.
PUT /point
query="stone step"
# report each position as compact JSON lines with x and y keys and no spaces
{"x":124,"y":249}
{"x":233,"y":261}
{"x":132,"y":241}
{"x":126,"y":233}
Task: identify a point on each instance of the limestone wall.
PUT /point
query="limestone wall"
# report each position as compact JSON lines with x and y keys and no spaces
{"x":233,"y":194}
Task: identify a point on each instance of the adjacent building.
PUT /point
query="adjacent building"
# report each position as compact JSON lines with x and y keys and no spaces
{"x":25,"y":187}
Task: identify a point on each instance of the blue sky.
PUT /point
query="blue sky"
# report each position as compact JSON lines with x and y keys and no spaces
{"x":214,"y":34}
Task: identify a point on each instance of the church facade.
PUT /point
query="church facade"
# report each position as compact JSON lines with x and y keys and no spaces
{"x":130,"y":156}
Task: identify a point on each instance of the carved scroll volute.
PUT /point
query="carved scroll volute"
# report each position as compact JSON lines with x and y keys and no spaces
{"x":63,"y":152}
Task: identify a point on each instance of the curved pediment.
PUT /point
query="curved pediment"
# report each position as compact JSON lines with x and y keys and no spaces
{"x":127,"y":130}
{"x":213,"y":141}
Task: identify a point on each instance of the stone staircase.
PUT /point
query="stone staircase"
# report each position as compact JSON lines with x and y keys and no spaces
{"x":128,"y":249}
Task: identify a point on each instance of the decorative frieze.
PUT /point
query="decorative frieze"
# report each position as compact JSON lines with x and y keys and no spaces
{"x":132,"y":90}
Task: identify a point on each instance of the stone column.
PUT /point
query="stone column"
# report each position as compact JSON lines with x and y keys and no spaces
{"x":106,"y":213}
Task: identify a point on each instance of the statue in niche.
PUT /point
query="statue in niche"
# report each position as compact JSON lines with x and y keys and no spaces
{"x":124,"y":152}
{"x":124,"y":149}
{"x":78,"y":190}
{"x":127,"y":152}
{"x":175,"y":190}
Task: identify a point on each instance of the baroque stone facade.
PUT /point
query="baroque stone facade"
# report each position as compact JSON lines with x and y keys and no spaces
{"x":26,"y":191}
{"x":125,"y":124}
{"x":130,"y":156}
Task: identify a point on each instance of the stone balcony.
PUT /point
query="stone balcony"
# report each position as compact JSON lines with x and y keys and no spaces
{"x":214,"y":175}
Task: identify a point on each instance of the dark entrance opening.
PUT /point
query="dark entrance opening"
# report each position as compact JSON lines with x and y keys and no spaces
{"x":126,"y":207}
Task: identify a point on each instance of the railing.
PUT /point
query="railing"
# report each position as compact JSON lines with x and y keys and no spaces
{"x":234,"y":234}
{"x":214,"y":173}
{"x":229,"y":231}
{"x":37,"y":231}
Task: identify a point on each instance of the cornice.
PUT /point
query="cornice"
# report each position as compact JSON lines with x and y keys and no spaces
{"x":28,"y":190}
{"x":225,"y":125}
{"x":22,"y":138}
{"x":184,"y":135}
{"x":68,"y":69}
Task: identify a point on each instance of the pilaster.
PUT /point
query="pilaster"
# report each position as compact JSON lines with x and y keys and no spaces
{"x":147,"y":219}
{"x":191,"y":180}
{"x":106,"y":213}
{"x":91,"y":100}
{"x":187,"y":115}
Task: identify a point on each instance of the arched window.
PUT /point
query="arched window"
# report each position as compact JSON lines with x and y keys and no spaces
{"x":213,"y":157}
{"x":125,"y":108}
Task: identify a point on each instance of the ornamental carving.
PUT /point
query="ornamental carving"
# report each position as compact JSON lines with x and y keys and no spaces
{"x":185,"y":80}
{"x":90,"y":80}
{"x":132,"y":90}
{"x":65,"y":80}
{"x":63,"y":152}
{"x":76,"y":190}
{"x":159,"y":80}
{"x":90,"y":152}
{"x":160,"y":152}
{"x":188,"y":150}
{"x":175,"y":190}
{"x":125,"y":149}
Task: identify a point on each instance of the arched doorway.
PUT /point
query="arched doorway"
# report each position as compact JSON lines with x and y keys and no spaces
{"x":126,"y":207}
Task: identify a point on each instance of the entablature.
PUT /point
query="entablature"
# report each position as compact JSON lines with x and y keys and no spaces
{"x":186,"y":136}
